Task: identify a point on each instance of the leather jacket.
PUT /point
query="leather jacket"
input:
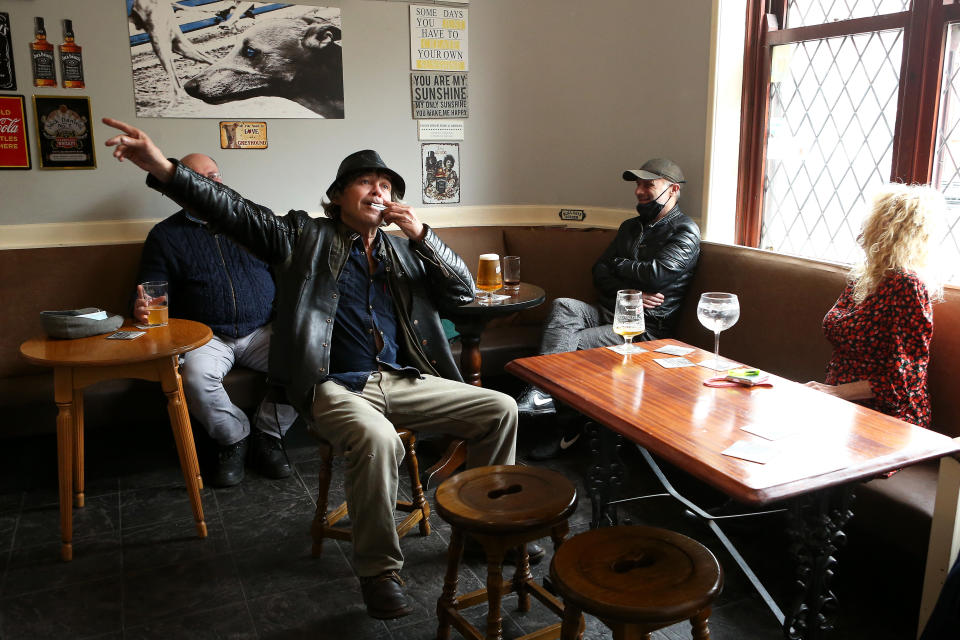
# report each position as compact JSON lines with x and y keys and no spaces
{"x":307,"y":255}
{"x":657,"y":258}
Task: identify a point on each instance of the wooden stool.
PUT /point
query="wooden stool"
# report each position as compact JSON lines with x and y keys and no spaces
{"x":324,"y":521}
{"x":636,"y":580}
{"x":502,"y":507}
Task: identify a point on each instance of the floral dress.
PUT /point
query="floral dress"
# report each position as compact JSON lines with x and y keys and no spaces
{"x":885,"y":340}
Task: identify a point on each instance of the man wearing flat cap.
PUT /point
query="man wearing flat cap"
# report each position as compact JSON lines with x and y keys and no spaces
{"x":357,"y":339}
{"x":655,"y":252}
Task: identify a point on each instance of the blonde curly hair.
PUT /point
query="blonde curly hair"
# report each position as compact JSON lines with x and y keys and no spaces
{"x":903,"y":227}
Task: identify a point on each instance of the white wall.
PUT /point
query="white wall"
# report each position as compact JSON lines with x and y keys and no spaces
{"x":564,"y":95}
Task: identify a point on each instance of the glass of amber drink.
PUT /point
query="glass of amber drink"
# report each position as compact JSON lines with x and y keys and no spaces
{"x":158,"y":303}
{"x":628,"y":320}
{"x":489,"y":277}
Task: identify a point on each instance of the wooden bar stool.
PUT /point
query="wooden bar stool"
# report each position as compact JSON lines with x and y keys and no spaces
{"x":636,"y":580}
{"x":502,"y":507}
{"x":418,"y":509}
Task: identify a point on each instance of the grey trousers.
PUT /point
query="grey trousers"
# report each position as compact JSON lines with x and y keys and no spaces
{"x":203,"y":372}
{"x":362,"y":427}
{"x":573,"y":324}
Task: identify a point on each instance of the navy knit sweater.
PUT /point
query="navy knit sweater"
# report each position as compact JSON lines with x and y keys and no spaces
{"x":212,"y":279}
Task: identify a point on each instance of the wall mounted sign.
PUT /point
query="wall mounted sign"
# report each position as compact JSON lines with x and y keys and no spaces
{"x":64,"y":134}
{"x":14,"y":144}
{"x":240,"y":134}
{"x":439,"y":95}
{"x":438,"y":38}
{"x":8,"y":76}
{"x":440,"y":129}
{"x":441,"y":177}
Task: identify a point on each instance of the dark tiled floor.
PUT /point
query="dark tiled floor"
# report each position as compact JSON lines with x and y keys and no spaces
{"x":139,"y":571}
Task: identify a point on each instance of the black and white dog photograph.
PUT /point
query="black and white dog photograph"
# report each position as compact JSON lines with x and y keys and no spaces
{"x":227,"y":58}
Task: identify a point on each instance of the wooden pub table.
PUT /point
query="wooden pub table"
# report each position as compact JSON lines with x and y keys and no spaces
{"x":471,"y":318}
{"x":826,"y":446}
{"x":82,"y":362}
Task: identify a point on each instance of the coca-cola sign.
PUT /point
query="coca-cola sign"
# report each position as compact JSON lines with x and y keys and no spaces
{"x":14,"y":148}
{"x":10,"y":125}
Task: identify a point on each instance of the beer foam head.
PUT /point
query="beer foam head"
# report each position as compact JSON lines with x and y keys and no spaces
{"x":489,"y":256}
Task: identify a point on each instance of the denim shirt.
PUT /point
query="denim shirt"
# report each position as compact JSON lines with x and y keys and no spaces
{"x":365,"y":306}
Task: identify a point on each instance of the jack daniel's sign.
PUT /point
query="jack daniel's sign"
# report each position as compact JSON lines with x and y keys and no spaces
{"x":8,"y":77}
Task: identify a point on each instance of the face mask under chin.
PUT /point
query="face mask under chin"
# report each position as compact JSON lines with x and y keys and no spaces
{"x":648,"y":211}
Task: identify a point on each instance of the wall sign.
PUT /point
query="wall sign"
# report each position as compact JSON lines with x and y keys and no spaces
{"x":440,"y":129}
{"x":64,"y":134}
{"x":243,"y":135}
{"x":8,"y":76}
{"x":438,"y":38}
{"x":441,"y":173}
{"x":439,"y":95}
{"x":14,"y":145}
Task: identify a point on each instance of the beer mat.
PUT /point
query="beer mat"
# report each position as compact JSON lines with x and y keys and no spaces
{"x":723,"y":365}
{"x":674,"y":350}
{"x":771,"y":431}
{"x":125,"y":335}
{"x":759,"y":452}
{"x":673,"y":363}
{"x":622,"y":349}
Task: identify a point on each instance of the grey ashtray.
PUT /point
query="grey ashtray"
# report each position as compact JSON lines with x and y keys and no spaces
{"x":70,"y":324}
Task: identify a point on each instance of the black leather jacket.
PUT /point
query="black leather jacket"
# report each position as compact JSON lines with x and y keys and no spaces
{"x":307,"y":255}
{"x":659,"y":258}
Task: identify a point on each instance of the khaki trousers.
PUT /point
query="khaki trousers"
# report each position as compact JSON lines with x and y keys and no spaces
{"x":362,"y":428}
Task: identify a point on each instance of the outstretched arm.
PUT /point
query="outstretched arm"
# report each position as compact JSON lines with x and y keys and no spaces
{"x":136,"y":146}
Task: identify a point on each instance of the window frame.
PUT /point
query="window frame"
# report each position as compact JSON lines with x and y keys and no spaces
{"x":915,"y":132}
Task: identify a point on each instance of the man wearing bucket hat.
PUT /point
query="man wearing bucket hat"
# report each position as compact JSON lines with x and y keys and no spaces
{"x":655,"y":252}
{"x":357,"y":339}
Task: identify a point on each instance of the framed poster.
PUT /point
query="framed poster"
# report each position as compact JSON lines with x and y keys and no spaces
{"x":14,"y":143}
{"x":441,"y":172}
{"x":236,"y":60}
{"x":64,"y":134}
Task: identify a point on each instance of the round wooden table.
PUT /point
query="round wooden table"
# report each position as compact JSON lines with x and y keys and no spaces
{"x":79,"y":363}
{"x":471,"y":318}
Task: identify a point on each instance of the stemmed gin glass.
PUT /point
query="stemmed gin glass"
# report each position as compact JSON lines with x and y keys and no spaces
{"x":717,"y":312}
{"x":628,"y":319}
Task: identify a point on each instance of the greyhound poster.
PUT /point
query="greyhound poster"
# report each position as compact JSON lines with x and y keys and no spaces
{"x":231,"y":59}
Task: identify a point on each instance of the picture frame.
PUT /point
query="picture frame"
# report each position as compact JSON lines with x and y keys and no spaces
{"x":14,"y":141}
{"x":64,"y":126}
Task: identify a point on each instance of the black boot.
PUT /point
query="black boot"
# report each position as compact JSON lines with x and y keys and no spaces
{"x":229,"y":465}
{"x":267,"y":455}
{"x":533,"y":402}
{"x":383,"y":594}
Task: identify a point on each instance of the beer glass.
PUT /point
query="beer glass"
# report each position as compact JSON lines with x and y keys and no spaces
{"x":628,"y":318}
{"x":158,"y":302}
{"x":489,"y":278}
{"x":717,"y":312}
{"x":511,"y":273}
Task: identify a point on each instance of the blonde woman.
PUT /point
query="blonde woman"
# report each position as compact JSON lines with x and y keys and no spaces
{"x":881,"y":326}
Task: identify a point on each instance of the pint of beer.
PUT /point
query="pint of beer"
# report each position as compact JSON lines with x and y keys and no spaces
{"x":158,"y":302}
{"x":488,"y":272}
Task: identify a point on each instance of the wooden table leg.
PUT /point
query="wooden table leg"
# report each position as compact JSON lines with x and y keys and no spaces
{"x":183,"y":436}
{"x":63,"y":395}
{"x":78,"y":471}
